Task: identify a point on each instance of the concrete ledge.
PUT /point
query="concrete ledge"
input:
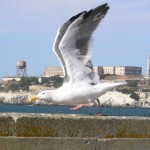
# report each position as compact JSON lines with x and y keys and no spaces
{"x":43,"y":143}
{"x":7,"y":125}
{"x":73,"y":132}
{"x":77,"y":126}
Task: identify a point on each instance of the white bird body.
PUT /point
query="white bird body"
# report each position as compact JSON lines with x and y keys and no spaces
{"x":74,"y":94}
{"x":73,"y":49}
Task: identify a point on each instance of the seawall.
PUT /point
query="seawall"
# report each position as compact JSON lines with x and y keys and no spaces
{"x":73,"y":132}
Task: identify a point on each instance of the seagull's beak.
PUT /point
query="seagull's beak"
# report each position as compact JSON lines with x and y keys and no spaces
{"x":34,"y":98}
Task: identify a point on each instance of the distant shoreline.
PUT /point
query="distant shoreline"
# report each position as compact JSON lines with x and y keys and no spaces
{"x":110,"y":99}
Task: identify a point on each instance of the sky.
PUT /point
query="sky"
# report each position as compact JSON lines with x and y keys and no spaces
{"x":28,"y":29}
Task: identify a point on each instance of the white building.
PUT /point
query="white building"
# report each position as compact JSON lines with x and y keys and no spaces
{"x":53,"y":71}
{"x":10,"y":78}
{"x":128,"y":70}
{"x":148,"y":66}
{"x":101,"y":70}
{"x":109,"y":70}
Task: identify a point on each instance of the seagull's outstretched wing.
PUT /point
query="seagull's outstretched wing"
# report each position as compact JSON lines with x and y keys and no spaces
{"x":60,"y":33}
{"x":74,"y":46}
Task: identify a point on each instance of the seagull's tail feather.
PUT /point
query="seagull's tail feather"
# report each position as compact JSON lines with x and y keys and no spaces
{"x":112,"y":84}
{"x":106,"y":86}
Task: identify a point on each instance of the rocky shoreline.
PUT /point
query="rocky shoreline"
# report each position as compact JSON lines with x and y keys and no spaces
{"x":111,"y":99}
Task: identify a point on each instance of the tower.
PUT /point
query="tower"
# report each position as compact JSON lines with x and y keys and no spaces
{"x":21,"y":68}
{"x":148,"y":66}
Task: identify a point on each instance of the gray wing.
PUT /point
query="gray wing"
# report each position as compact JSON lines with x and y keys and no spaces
{"x":60,"y":33}
{"x":75,"y":46}
{"x":89,"y":24}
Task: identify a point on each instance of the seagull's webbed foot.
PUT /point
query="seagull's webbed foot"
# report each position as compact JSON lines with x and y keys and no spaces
{"x":77,"y":107}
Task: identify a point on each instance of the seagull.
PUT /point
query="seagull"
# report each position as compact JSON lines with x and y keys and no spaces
{"x":73,"y":47}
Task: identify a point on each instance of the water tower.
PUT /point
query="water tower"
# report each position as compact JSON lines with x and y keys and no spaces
{"x":21,"y":68}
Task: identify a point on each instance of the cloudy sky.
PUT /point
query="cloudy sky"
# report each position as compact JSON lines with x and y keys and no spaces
{"x":28,"y":28}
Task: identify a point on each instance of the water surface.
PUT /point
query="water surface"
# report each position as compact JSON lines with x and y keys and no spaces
{"x":106,"y":111}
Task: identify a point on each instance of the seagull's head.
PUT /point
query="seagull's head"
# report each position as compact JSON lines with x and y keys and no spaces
{"x":43,"y":95}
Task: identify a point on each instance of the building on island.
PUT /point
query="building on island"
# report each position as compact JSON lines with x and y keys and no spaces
{"x":10,"y":78}
{"x":53,"y":71}
{"x":109,"y":70}
{"x":148,"y":66}
{"x":101,"y":70}
{"x":128,"y":70}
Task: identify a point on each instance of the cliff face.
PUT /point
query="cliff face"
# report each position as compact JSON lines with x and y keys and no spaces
{"x":116,"y":99}
{"x":15,"y":98}
{"x":112,"y":98}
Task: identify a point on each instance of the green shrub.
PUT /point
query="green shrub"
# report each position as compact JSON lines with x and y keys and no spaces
{"x":34,"y":81}
{"x":135,"y":96}
{"x":25,"y":82}
{"x":132,"y":83}
{"x":125,"y":89}
{"x":12,"y":86}
{"x":57,"y":81}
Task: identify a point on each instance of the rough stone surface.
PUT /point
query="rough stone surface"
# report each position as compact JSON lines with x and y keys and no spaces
{"x":7,"y":125}
{"x":78,"y":126}
{"x":35,"y":143}
{"x":83,"y":126}
{"x":73,"y":132}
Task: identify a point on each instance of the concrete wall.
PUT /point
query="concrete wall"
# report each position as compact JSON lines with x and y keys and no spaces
{"x":73,"y":132}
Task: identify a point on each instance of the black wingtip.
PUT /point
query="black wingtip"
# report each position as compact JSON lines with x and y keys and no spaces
{"x":76,"y":16}
{"x":103,"y":7}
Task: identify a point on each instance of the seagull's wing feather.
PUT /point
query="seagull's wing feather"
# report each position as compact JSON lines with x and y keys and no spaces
{"x":89,"y":24}
{"x":60,"y":33}
{"x":74,"y":45}
{"x":75,"y":48}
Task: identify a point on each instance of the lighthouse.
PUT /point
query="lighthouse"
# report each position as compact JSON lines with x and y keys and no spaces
{"x":148,"y":66}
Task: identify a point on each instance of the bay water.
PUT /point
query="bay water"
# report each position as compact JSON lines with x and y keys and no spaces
{"x":53,"y":109}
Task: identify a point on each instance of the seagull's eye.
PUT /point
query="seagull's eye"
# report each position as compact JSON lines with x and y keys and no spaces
{"x":43,"y":93}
